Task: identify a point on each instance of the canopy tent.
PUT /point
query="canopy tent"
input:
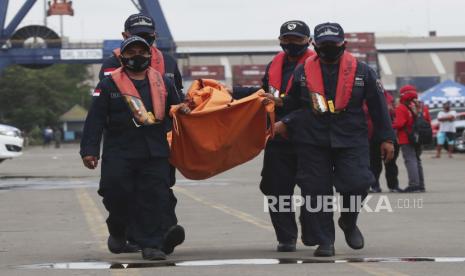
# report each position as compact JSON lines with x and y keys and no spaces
{"x":446,"y":91}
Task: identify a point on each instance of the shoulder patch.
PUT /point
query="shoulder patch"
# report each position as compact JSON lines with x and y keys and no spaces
{"x":359,"y":81}
{"x":108,"y":71}
{"x":96,"y":92}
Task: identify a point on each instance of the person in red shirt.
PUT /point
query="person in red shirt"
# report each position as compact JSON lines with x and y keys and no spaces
{"x":406,"y":113}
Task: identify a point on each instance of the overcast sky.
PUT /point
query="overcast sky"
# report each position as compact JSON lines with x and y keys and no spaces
{"x":259,"y":19}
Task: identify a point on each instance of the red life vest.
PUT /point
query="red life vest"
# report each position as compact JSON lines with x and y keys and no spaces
{"x":157,"y":61}
{"x":345,"y":83}
{"x":129,"y":91}
{"x":275,"y":72}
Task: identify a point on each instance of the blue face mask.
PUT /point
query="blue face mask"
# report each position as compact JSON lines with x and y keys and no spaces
{"x":294,"y":50}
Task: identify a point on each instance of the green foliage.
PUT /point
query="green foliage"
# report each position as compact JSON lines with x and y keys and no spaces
{"x":35,"y":136}
{"x":36,"y":98}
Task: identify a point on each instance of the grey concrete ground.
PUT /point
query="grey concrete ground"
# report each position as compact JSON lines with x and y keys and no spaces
{"x":50,"y":213}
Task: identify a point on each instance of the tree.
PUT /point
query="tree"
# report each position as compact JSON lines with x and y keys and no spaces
{"x":35,"y":98}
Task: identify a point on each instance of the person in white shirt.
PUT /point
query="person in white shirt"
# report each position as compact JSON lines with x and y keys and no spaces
{"x":446,"y":131}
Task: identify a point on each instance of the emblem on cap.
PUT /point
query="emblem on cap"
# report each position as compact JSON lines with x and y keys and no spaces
{"x":328,"y":31}
{"x":143,"y":22}
{"x":291,"y":26}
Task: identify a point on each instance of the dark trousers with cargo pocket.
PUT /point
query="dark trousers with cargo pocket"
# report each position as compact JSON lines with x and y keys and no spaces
{"x":322,"y":168}
{"x":136,"y":194}
{"x":278,"y":179}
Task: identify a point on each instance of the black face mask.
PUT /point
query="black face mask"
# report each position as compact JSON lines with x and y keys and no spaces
{"x":150,"y":38}
{"x":294,"y":50}
{"x":330,"y":53}
{"x":136,"y":63}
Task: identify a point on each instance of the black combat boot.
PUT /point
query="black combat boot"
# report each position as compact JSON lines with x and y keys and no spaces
{"x":153,"y":254}
{"x":324,"y":250}
{"x":173,"y":237}
{"x":354,"y":237}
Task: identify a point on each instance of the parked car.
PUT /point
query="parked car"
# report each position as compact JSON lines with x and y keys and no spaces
{"x":459,"y":130}
{"x":11,"y":142}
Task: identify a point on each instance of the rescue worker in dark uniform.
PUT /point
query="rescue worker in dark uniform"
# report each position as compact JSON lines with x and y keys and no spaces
{"x":280,"y":161}
{"x":130,"y":108}
{"x":144,"y":27}
{"x":329,"y":131}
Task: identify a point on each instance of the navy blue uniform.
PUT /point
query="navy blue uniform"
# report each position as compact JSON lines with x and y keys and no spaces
{"x":279,"y":165}
{"x":171,"y":72}
{"x":332,"y":148}
{"x":134,"y":164}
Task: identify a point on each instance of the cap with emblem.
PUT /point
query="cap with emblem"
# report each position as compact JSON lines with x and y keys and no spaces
{"x":328,"y":32}
{"x":139,"y":23}
{"x":294,"y":27}
{"x":134,"y":40}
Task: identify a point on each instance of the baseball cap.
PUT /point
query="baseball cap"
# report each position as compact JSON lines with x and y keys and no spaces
{"x":294,"y":27}
{"x":407,"y":88}
{"x":408,"y":92}
{"x":139,"y":23}
{"x":325,"y":32}
{"x":132,"y":40}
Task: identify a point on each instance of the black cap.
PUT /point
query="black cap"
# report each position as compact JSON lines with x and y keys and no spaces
{"x":294,"y":27}
{"x":133,"y":40}
{"x":139,"y":23}
{"x":328,"y":32}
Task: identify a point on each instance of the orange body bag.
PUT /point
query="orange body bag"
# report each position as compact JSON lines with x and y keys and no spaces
{"x":220,"y":133}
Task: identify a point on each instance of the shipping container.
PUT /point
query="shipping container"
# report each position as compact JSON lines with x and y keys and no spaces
{"x":421,"y":83}
{"x":204,"y":72}
{"x":363,"y":47}
{"x":360,"y":40}
{"x":460,"y":72}
{"x":248,"y":75}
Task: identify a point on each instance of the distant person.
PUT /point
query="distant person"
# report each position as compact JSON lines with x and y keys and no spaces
{"x":47,"y":136}
{"x":406,"y":114}
{"x":25,"y":136}
{"x":446,"y":119}
{"x":57,"y":134}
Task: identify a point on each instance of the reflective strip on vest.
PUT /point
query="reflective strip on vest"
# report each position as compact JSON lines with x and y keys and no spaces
{"x":275,"y":72}
{"x":132,"y":96}
{"x":345,"y":83}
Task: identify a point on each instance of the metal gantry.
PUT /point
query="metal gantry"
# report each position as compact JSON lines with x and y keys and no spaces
{"x":52,"y":52}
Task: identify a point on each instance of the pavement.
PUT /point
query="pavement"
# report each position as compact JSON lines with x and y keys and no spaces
{"x":52,"y":223}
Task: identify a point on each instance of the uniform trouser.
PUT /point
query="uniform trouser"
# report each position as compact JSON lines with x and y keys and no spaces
{"x":413,"y":164}
{"x":376,"y":166}
{"x":136,"y":194}
{"x":172,"y":175}
{"x":278,"y":180}
{"x":318,"y":170}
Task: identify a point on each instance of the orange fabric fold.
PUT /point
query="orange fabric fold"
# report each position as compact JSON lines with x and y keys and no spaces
{"x":220,"y":133}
